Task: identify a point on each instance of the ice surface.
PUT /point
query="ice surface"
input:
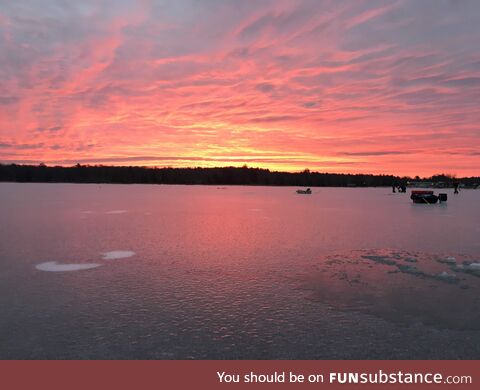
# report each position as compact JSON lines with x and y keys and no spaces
{"x":53,"y":266}
{"x":114,"y":255}
{"x":212,"y":280}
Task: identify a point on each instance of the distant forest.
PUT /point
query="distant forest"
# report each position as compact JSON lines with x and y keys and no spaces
{"x":212,"y":176}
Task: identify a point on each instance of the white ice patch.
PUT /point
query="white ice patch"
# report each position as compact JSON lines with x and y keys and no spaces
{"x":446,"y":275}
{"x":473,"y":267}
{"x":114,"y":255}
{"x":450,"y":260}
{"x":53,"y":266}
{"x":116,"y":212}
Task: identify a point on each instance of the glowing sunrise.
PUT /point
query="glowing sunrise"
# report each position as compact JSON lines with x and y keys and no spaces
{"x":361,"y":86}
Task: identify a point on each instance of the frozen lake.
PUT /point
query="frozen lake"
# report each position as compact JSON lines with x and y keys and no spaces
{"x":173,"y":272}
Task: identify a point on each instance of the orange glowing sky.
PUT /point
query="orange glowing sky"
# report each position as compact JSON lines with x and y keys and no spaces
{"x":334,"y":86}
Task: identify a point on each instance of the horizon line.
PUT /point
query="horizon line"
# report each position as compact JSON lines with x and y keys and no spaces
{"x":245,"y":166}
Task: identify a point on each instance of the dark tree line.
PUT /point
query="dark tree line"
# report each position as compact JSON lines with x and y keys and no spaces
{"x":213,"y":176}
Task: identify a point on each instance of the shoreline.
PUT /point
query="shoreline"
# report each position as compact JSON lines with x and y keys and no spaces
{"x":225,"y":176}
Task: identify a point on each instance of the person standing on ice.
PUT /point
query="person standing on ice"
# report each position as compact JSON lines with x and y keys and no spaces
{"x":455,"y":186}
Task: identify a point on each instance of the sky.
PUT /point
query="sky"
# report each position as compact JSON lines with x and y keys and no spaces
{"x":333,"y":86}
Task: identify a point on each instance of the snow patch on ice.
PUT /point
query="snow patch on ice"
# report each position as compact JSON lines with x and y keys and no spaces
{"x":114,"y":255}
{"x":449,"y":260}
{"x":116,"y":212}
{"x":53,"y":266}
{"x":473,"y":267}
{"x":469,"y":268}
{"x":446,"y":276}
